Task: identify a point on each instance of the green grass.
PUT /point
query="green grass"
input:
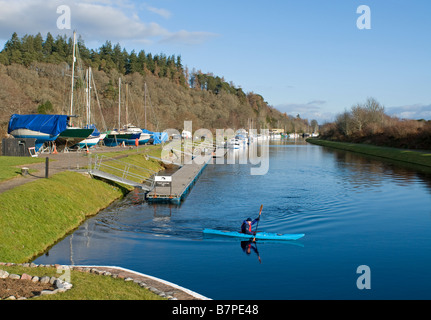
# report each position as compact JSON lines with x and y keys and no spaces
{"x":88,"y":286}
{"x":35,"y":215}
{"x":9,"y":166}
{"x":403,"y":155}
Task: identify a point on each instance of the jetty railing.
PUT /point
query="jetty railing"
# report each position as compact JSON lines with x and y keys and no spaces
{"x":122,"y":172}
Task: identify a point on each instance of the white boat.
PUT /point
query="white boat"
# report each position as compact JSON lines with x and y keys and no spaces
{"x":234,"y":143}
{"x":143,"y":138}
{"x":275,"y":136}
{"x":261,"y":137}
{"x":41,"y":127}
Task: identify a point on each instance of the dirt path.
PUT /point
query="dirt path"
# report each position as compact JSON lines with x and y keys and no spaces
{"x":58,"y":162}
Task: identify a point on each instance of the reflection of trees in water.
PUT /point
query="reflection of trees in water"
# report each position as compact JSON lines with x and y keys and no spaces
{"x":368,"y":171}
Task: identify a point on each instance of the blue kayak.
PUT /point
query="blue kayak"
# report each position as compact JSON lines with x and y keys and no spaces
{"x":259,"y":235}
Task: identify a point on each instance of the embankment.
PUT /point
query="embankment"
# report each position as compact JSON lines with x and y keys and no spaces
{"x":35,"y":215}
{"x":406,"y":156}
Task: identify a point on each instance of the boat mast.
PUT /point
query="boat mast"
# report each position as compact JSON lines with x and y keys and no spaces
{"x":145,"y":105}
{"x":73,"y":76}
{"x":119,"y":104}
{"x":88,"y":95}
{"x":127,"y":105}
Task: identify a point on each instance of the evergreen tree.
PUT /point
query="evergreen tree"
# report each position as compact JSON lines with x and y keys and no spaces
{"x":48,"y":45}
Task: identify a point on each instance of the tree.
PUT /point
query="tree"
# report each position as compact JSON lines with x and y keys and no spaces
{"x":132,"y":63}
{"x":13,"y":44}
{"x":45,"y":108}
{"x":48,"y":45}
{"x":359,"y":115}
{"x":314,"y":126}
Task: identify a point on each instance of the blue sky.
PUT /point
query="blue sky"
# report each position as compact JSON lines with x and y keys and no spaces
{"x":304,"y":57}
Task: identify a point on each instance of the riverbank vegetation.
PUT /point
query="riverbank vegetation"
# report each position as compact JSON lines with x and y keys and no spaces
{"x":396,"y":154}
{"x":368,"y":123}
{"x":35,"y":77}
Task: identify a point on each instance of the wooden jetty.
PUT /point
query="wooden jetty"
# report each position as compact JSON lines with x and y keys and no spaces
{"x":178,"y":185}
{"x":159,"y":188}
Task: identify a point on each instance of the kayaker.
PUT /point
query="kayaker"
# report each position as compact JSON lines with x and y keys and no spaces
{"x":247,"y":225}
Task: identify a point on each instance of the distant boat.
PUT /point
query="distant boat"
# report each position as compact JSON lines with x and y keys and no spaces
{"x":118,"y":137}
{"x":114,"y":138}
{"x":235,"y":143}
{"x":144,"y":136}
{"x":42,"y":127}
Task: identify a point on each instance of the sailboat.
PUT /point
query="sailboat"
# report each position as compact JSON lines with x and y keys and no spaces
{"x":42,"y":127}
{"x":72,"y":136}
{"x":95,"y":136}
{"x":125,"y":136}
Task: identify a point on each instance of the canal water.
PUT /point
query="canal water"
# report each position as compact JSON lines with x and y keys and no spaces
{"x":355,"y":211}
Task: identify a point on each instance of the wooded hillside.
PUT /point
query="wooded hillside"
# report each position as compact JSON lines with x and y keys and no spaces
{"x":35,"y":77}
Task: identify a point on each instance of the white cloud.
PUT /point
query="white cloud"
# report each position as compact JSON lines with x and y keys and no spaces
{"x":189,"y":38}
{"x":416,"y":111}
{"x":312,"y":110}
{"x":161,"y":12}
{"x":95,"y":20}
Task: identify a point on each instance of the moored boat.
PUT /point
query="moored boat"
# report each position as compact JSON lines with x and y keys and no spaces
{"x":42,"y":127}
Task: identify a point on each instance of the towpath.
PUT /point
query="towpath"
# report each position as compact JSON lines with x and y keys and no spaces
{"x":58,"y":162}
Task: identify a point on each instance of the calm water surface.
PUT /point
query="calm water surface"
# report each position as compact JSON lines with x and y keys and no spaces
{"x":354,"y":211}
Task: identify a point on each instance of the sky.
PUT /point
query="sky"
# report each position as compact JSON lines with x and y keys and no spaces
{"x":306,"y":57}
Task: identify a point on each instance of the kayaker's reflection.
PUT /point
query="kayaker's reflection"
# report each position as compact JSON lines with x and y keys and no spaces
{"x":249,"y":246}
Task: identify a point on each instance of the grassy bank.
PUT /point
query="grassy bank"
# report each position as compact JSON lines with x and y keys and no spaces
{"x":37,"y":214}
{"x":9,"y":166}
{"x":403,"y":155}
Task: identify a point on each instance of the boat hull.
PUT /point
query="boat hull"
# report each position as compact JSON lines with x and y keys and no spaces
{"x":259,"y":235}
{"x":40,"y":137}
{"x":71,"y":137}
{"x":113,"y":140}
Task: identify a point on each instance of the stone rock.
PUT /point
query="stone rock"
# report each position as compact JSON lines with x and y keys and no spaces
{"x":63,"y":285}
{"x":25,"y":276}
{"x":35,"y":279}
{"x":14,"y":276}
{"x":4,"y":274}
{"x":156,"y":291}
{"x":44,"y":292}
{"x":44,"y":279}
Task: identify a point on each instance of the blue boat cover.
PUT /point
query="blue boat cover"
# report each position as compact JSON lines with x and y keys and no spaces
{"x":45,"y":123}
{"x":158,"y":137}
